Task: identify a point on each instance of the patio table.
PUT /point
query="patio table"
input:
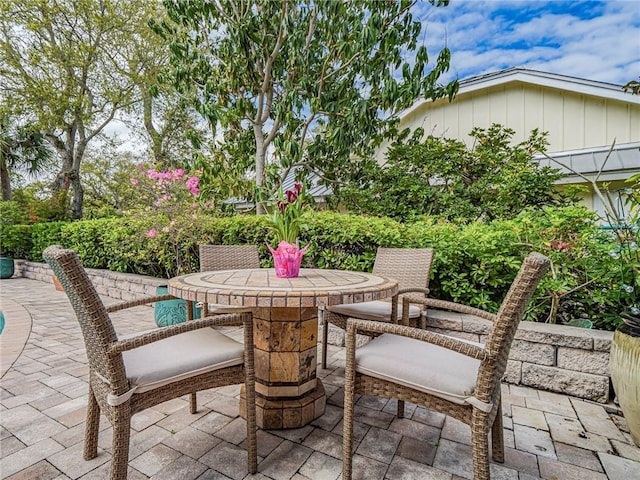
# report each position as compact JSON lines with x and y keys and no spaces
{"x":285,"y":315}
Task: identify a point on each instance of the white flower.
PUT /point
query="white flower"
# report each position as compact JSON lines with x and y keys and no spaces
{"x":627,"y":288}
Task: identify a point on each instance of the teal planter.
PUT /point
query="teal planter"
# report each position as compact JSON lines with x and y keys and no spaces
{"x":580,"y":322}
{"x":1,"y":322}
{"x":170,"y":312}
{"x":6,"y":267}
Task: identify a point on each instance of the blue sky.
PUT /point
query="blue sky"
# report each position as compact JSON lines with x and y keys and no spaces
{"x":597,"y":40}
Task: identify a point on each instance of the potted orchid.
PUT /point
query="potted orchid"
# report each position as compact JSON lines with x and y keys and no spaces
{"x":285,"y":222}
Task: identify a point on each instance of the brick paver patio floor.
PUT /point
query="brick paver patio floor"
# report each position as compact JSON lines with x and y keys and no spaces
{"x":43,"y":400}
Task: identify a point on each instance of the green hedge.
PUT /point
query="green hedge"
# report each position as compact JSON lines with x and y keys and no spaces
{"x":474,"y":264}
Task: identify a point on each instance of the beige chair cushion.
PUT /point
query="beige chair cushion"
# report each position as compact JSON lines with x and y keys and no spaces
{"x":421,"y":366}
{"x":179,"y":357}
{"x":377,"y":310}
{"x":215,"y":309}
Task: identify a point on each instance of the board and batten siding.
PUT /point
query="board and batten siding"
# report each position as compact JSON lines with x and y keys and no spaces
{"x":573,"y":120}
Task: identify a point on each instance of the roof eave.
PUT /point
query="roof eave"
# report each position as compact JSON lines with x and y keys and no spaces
{"x":534,"y":77}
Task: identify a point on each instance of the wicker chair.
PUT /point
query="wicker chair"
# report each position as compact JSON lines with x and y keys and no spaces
{"x":226,"y":257}
{"x":457,"y":377}
{"x":132,"y":373}
{"x":410,"y":266}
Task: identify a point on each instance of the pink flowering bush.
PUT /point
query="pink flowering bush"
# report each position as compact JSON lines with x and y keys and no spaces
{"x":170,"y":206}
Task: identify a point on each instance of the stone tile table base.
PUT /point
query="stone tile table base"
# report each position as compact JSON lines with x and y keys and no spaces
{"x":285,"y":316}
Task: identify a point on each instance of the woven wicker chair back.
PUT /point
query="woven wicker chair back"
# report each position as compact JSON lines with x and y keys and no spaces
{"x":228,"y":257}
{"x":96,"y":326}
{"x":410,"y":266}
{"x":534,"y":267}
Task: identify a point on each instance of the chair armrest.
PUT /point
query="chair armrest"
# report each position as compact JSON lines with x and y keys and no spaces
{"x":414,"y":290}
{"x":457,"y":307}
{"x":160,"y":333}
{"x":355,"y":326}
{"x":136,"y":303}
{"x":404,"y":320}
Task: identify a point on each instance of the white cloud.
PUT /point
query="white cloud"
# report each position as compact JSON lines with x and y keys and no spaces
{"x":594,"y":40}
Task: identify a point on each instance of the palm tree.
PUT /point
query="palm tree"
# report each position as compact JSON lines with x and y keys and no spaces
{"x":21,"y":147}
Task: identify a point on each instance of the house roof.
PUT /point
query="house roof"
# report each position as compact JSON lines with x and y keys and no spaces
{"x":623,"y":161}
{"x":583,"y":86}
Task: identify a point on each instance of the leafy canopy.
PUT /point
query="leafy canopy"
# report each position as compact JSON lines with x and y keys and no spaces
{"x":314,"y":84}
{"x":494,"y":179}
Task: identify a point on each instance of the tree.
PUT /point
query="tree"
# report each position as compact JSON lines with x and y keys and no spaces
{"x":21,"y":147}
{"x":632,"y":86}
{"x":169,"y":126}
{"x":442,"y":177}
{"x":64,"y":67}
{"x":316,"y":84}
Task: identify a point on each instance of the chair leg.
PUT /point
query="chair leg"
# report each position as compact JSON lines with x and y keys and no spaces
{"x":193,"y":403}
{"x":92,"y":427}
{"x":252,"y":449}
{"x":400,"y":411}
{"x":349,"y":399}
{"x":120,"y":444}
{"x":347,"y":439}
{"x":497,"y":437}
{"x":325,"y":338}
{"x":480,"y":445}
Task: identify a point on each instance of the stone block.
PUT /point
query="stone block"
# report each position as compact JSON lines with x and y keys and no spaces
{"x":336,"y":336}
{"x":114,"y":292}
{"x":465,"y":336}
{"x":444,"y":320}
{"x":473,"y":324}
{"x":538,"y":353}
{"x":583,"y":360}
{"x":559,"y":335}
{"x":601,"y":340}
{"x":513,"y":373}
{"x":578,"y":384}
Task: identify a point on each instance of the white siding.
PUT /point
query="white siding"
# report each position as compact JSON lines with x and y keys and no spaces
{"x":574,"y":121}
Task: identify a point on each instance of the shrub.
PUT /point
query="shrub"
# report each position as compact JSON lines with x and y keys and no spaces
{"x":15,"y":238}
{"x":474,"y":264}
{"x":495,"y":179}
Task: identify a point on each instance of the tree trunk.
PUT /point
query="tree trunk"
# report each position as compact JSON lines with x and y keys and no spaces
{"x":78,"y":196}
{"x":5,"y":181}
{"x":156,"y":138}
{"x":260,"y":160}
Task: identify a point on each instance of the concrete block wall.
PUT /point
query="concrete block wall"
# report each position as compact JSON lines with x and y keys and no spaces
{"x":557,"y":358}
{"x":122,"y":286}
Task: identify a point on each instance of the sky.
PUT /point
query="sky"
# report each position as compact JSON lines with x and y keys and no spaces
{"x":595,"y":40}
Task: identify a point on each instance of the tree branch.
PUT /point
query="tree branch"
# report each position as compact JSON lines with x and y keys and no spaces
{"x":610,"y":209}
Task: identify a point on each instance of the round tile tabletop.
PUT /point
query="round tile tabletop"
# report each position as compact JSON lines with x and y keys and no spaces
{"x":262,"y":288}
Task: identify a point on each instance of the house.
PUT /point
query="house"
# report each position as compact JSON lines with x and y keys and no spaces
{"x":583,"y":118}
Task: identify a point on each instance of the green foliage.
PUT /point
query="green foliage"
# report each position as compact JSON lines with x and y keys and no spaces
{"x":44,"y":234}
{"x":70,"y":68}
{"x":22,"y":147}
{"x":275,"y":73}
{"x":632,"y":86}
{"x":15,"y":238}
{"x":11,"y":213}
{"x":474,"y":264}
{"x":623,"y":231}
{"x":443,"y":178}
{"x":41,"y":204}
